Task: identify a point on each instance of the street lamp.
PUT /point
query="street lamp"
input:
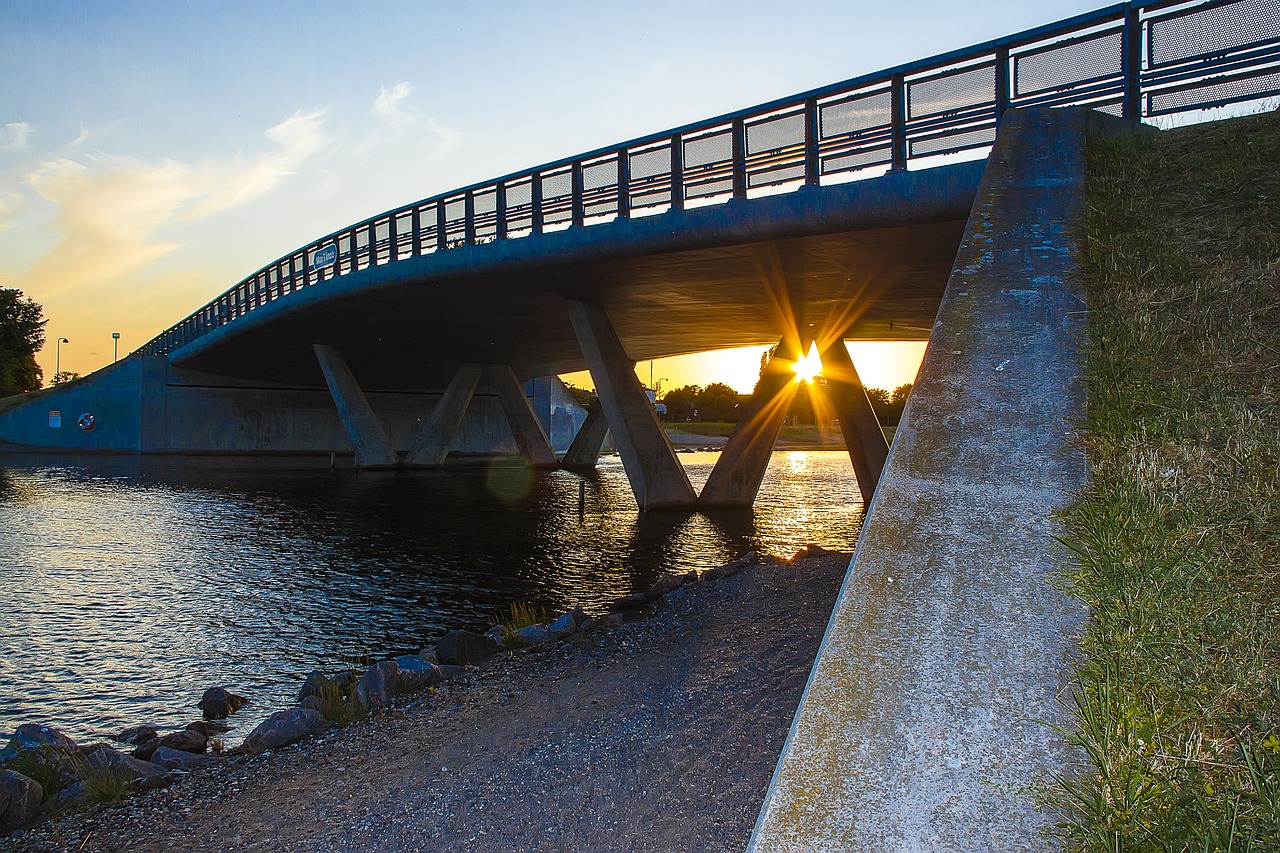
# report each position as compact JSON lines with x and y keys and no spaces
{"x":115,"y":347}
{"x":57,"y":357}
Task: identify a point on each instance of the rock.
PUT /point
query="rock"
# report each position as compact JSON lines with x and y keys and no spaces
{"x":178,"y":759}
{"x":428,"y":654}
{"x":317,"y":683}
{"x":142,"y":774}
{"x":452,"y":670}
{"x":31,"y":736}
{"x":144,"y":751}
{"x":74,"y":795}
{"x":20,"y":799}
{"x":532,"y":635}
{"x":729,"y":569}
{"x":137,"y":735}
{"x":463,"y":648}
{"x":90,"y":749}
{"x":498,"y":634}
{"x":563,"y":627}
{"x":284,"y":727}
{"x":378,"y":686}
{"x":185,"y":740}
{"x":630,"y":602}
{"x":218,"y":703}
{"x":588,"y":624}
{"x":416,"y":674}
{"x":664,"y":585}
{"x":312,"y":703}
{"x":209,"y":728}
{"x":609,"y":620}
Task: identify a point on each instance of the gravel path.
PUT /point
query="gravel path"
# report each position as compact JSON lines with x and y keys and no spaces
{"x":660,"y":735}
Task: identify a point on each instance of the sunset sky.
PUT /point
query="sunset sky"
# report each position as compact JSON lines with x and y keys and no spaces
{"x":154,"y":153}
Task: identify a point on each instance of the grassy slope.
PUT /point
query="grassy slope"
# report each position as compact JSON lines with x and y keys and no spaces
{"x":1179,"y":532}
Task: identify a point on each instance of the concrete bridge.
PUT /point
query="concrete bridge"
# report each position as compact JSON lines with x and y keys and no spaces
{"x":840,"y":213}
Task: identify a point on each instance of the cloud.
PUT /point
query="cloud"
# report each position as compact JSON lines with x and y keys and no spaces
{"x":15,"y":135}
{"x":388,"y":105}
{"x":110,"y":208}
{"x":450,"y":139}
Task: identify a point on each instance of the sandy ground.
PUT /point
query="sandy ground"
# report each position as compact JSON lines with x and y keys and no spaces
{"x":661,"y":734}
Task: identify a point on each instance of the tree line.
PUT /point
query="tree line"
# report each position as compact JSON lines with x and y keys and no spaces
{"x":21,"y":337}
{"x":719,"y":403}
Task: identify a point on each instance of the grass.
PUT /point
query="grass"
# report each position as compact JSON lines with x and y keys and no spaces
{"x":44,"y":764}
{"x":336,"y":705}
{"x":518,"y":615}
{"x":1178,"y":534}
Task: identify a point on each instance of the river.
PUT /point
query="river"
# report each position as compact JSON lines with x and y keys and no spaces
{"x":129,"y":584}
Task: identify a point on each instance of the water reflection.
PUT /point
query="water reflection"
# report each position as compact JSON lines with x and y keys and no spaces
{"x":132,"y":584}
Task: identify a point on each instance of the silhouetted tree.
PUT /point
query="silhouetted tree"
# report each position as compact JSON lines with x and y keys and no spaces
{"x":681,"y":402}
{"x":716,"y":402}
{"x":21,"y":337}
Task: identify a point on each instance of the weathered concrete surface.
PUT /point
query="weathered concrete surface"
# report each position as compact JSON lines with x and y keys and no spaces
{"x":868,"y":450}
{"x":373,"y":447}
{"x":919,"y":728}
{"x":431,"y":445}
{"x":529,"y":435}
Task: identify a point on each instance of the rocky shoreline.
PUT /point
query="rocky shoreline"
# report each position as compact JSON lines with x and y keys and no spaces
{"x":375,"y":697}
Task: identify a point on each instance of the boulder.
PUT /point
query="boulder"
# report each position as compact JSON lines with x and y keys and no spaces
{"x":143,"y":774}
{"x":416,"y":674}
{"x":20,"y":799}
{"x":428,"y":654}
{"x":729,"y":569}
{"x":218,"y":703}
{"x":185,"y":740}
{"x":312,"y":703}
{"x":74,"y":795}
{"x":316,"y":683}
{"x":532,"y":635}
{"x":498,"y":634}
{"x":664,"y":585}
{"x":209,"y":728}
{"x":452,"y":670}
{"x":31,"y":736}
{"x":563,"y":627}
{"x":609,"y":620}
{"x":178,"y":759}
{"x":463,"y":648}
{"x":378,"y":686}
{"x":630,"y":602}
{"x":284,"y":727}
{"x":144,"y":751}
{"x":137,"y":735}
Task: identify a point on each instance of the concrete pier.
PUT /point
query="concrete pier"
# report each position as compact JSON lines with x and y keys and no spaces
{"x":858,"y":423}
{"x":529,"y":435}
{"x":432,"y":443}
{"x":373,"y":447}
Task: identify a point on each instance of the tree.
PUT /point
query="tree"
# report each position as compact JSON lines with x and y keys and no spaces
{"x":62,"y":377}
{"x":21,"y":337}
{"x":681,"y":402}
{"x":716,"y":402}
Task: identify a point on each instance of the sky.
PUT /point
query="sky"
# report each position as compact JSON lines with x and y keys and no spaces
{"x":152,"y":154}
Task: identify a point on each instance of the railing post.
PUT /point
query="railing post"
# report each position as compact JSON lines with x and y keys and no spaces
{"x":469,"y":218}
{"x":393,"y":242}
{"x":441,"y":218}
{"x":624,"y":184}
{"x":535,"y":203}
{"x":1003,"y":82}
{"x":898,"y":121}
{"x":1131,"y":63}
{"x":500,"y":210}
{"x":416,"y":223}
{"x":577,"y":207}
{"x":677,"y":172}
{"x":739,"y":143}
{"x":812,"y":164}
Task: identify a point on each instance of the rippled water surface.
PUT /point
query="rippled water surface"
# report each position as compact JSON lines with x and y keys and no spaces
{"x":130,"y":585}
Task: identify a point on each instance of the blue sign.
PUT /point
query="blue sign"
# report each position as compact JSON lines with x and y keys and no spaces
{"x":325,"y":256}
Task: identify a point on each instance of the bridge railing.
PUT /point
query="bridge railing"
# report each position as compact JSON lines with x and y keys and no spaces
{"x":1137,"y":60}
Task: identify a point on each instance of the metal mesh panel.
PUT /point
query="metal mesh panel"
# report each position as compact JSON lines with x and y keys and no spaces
{"x":455,"y":226}
{"x":776,"y":175}
{"x":1207,"y":32}
{"x":856,"y":160}
{"x":382,"y":241}
{"x":775,"y":133}
{"x":600,"y":187}
{"x":706,"y":150}
{"x":361,"y":255}
{"x":853,"y":115}
{"x":951,"y":92}
{"x":1069,"y":64}
{"x":650,"y":177}
{"x":427,"y":222}
{"x":343,"y":266}
{"x":404,"y":234}
{"x":557,"y":197}
{"x":484,"y":207}
{"x":953,"y":142}
{"x":519,"y":206}
{"x":1213,"y":93}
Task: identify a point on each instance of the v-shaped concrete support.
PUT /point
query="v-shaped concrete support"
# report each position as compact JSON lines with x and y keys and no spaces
{"x":862,"y":434}
{"x":373,"y":448}
{"x":657,"y":478}
{"x":532,"y":440}
{"x":736,"y":478}
{"x":431,"y":445}
{"x":585,"y":448}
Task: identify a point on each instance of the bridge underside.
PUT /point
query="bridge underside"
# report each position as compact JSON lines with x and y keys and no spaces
{"x":867,"y":260}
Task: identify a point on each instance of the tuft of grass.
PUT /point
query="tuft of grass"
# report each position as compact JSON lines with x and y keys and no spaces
{"x":44,"y":764}
{"x":518,"y":615}
{"x":1177,"y":537}
{"x":336,"y":705}
{"x":105,"y":786}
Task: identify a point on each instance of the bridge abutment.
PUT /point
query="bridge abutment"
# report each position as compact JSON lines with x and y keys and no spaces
{"x":657,"y":478}
{"x":528,"y":433}
{"x":431,"y":444}
{"x":373,"y":447}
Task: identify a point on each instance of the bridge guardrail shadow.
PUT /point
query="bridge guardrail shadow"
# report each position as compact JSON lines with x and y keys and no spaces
{"x":1136,"y":60}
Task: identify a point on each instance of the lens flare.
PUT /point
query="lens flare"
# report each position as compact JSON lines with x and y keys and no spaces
{"x":809,"y":366}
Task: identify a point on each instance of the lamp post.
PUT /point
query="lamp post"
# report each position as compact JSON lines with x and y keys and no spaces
{"x":57,"y":357}
{"x":115,"y":347}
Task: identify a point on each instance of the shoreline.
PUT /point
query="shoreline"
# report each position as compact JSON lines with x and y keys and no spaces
{"x":705,"y":682}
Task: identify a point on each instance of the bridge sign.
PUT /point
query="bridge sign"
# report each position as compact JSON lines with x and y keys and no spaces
{"x":325,"y":256}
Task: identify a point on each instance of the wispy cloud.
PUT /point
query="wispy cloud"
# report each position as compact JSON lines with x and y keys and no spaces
{"x":15,"y":135}
{"x":110,"y":208}
{"x":389,"y":105}
{"x":449,"y":139}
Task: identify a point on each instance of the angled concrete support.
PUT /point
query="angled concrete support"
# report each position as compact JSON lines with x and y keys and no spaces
{"x":373,"y":448}
{"x":736,"y":477}
{"x":862,"y":434}
{"x":585,"y":449}
{"x":532,"y":440}
{"x":658,"y":481}
{"x":431,"y":445}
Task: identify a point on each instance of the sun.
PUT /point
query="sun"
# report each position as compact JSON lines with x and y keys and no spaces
{"x":809,"y":366}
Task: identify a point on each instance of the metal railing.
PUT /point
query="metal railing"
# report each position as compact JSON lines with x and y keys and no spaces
{"x":1136,"y":60}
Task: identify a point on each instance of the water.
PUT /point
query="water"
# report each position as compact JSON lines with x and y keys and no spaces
{"x":128,"y":585}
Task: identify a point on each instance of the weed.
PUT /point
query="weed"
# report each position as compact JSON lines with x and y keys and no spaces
{"x":519,"y":615}
{"x":44,"y":764}
{"x":336,"y":705}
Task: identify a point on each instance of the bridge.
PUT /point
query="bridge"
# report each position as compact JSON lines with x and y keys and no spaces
{"x":859,"y":210}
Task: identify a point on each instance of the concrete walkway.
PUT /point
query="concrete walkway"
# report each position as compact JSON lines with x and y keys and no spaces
{"x":920,"y":728}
